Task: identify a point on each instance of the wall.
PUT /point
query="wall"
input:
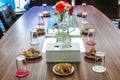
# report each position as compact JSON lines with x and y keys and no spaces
{"x":108,"y":7}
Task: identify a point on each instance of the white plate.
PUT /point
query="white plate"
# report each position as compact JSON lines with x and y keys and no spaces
{"x":84,"y":22}
{"x":91,"y":57}
{"x":34,"y":57}
{"x":54,"y":71}
{"x":34,"y":43}
{"x":84,"y":32}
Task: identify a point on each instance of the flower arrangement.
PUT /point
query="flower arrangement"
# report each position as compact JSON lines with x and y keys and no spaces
{"x":63,"y":6}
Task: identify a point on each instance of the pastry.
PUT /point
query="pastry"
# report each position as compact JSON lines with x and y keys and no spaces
{"x":79,"y":14}
{"x":46,"y":14}
{"x":63,"y":68}
{"x":40,"y":30}
{"x":85,"y":30}
{"x":92,"y":52}
{"x":31,"y":52}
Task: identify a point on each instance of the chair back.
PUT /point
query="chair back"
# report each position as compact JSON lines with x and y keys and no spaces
{"x":7,"y":16}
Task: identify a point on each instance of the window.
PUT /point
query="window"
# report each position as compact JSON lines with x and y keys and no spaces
{"x":20,"y":3}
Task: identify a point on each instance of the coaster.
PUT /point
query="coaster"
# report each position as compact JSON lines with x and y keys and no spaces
{"x":92,"y":43}
{"x":34,"y":43}
{"x":22,"y":73}
{"x":99,"y":69}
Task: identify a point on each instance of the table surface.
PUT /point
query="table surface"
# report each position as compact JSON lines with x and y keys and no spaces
{"x":17,"y":39}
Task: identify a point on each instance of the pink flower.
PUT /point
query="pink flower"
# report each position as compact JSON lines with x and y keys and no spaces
{"x":60,"y":6}
{"x":65,"y":1}
{"x":71,"y":10}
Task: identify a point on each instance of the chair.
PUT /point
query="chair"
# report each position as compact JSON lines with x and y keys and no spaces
{"x":19,"y":11}
{"x":2,"y":26}
{"x":1,"y":33}
{"x":7,"y":16}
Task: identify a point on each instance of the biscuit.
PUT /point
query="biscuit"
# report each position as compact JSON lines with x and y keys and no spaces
{"x":63,"y":68}
{"x":46,"y":14}
{"x":31,"y":52}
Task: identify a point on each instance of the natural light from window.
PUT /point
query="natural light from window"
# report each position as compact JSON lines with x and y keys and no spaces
{"x":20,"y":3}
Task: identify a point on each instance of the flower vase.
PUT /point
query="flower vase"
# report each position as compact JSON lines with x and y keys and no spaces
{"x":63,"y":37}
{"x":63,"y":16}
{"x":60,"y":17}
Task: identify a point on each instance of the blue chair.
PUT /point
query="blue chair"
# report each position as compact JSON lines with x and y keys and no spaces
{"x":2,"y":26}
{"x":21,"y":11}
{"x":7,"y":16}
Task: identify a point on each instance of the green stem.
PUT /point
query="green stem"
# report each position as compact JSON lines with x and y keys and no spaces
{"x":61,"y":16}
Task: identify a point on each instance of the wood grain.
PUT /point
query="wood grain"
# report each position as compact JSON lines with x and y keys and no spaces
{"x":17,"y":39}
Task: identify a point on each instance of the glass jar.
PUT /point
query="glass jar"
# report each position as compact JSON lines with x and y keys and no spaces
{"x":90,"y":48}
{"x":63,"y":37}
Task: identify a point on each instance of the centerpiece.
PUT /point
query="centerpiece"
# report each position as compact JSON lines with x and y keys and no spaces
{"x":63,"y":50}
{"x":64,"y":10}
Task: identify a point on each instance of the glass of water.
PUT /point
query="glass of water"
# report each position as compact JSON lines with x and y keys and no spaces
{"x":21,"y":66}
{"x":44,"y":5}
{"x":99,"y":66}
{"x":34,"y":40}
{"x":84,"y":6}
{"x":91,"y":37}
{"x":40,"y":20}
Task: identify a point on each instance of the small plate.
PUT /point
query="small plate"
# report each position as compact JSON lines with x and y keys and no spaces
{"x":92,"y":57}
{"x":34,"y":57}
{"x":42,"y":33}
{"x":54,"y":71}
{"x":33,"y":43}
{"x":85,"y":32}
{"x":84,"y":22}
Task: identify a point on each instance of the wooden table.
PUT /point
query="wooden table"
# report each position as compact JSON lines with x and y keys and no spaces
{"x":16,"y":40}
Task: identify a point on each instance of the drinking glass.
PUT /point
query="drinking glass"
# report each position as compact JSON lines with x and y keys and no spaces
{"x":91,"y":37}
{"x":84,"y":6}
{"x":84,"y":17}
{"x":40,"y":19}
{"x":84,"y":14}
{"x":21,"y":66}
{"x":36,"y":47}
{"x":99,"y":62}
{"x":34,"y":36}
{"x":44,"y":6}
